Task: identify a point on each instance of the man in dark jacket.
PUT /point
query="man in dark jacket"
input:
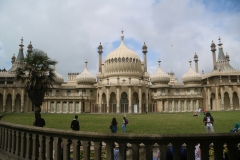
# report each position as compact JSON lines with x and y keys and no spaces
{"x":75,"y":124}
{"x":39,"y":121}
{"x":208,"y":120}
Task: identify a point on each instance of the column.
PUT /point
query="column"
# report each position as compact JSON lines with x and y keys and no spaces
{"x":22,"y":100}
{"x":18,"y":143}
{"x":231,"y":98}
{"x":190,"y":150}
{"x":149,"y":151}
{"x":28,"y":146}
{"x":204,"y":150}
{"x":222,"y":99}
{"x":185,"y":105}
{"x":173,"y":106}
{"x":218,"y":150}
{"x":55,"y":108}
{"x":13,"y":101}
{"x":80,"y":107}
{"x":4,"y":100}
{"x":97,"y":150}
{"x":100,"y":100}
{"x":140,"y":100}
{"x":208,"y":99}
{"x":118,"y":100}
{"x":217,"y":98}
{"x":166,"y":106}
{"x":163,"y":150}
{"x":129,"y":99}
{"x":147,"y":89}
{"x":109,"y":148}
{"x":76,"y":149}
{"x":135,"y":151}
{"x":177,"y":149}
{"x":122,"y":151}
{"x":35,"y":149}
{"x":49,"y":147}
{"x":13,"y":141}
{"x":107,"y":98}
{"x":86,"y":150}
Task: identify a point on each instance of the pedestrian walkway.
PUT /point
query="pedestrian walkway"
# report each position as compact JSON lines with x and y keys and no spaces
{"x":5,"y":157}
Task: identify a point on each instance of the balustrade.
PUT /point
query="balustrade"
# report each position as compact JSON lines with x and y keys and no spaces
{"x":28,"y":142}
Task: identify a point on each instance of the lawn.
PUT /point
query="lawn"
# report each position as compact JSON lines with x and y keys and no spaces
{"x":151,"y":123}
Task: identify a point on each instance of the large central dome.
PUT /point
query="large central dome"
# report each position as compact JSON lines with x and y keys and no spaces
{"x":123,"y":61}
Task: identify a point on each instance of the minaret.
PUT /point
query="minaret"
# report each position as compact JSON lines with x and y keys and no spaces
{"x":227,"y":57}
{"x":13,"y":58}
{"x":144,"y":51}
{"x":20,"y":53}
{"x":86,"y":62}
{"x":213,"y":49}
{"x":100,"y":48}
{"x":29,"y":51}
{"x":196,"y":61}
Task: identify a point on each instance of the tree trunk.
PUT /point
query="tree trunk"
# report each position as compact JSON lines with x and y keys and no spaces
{"x":37,"y":110}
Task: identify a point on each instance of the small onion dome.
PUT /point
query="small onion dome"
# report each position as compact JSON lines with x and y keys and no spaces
{"x":213,"y":44}
{"x":227,"y":56}
{"x":191,"y":77}
{"x":58,"y":78}
{"x":160,"y":77}
{"x":195,"y":56}
{"x":85,"y":77}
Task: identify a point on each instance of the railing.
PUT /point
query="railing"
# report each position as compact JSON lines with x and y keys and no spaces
{"x":27,"y":142}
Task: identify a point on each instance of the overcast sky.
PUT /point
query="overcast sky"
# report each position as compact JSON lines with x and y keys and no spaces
{"x":71,"y":30}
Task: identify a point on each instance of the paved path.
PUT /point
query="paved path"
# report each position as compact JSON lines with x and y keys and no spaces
{"x":5,"y":157}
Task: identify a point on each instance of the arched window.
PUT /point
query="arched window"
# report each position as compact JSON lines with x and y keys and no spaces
{"x":188,"y":91}
{"x":49,"y":92}
{"x":155,"y":92}
{"x":127,"y":59}
{"x":84,"y":92}
{"x":195,"y":91}
{"x":163,"y":91}
{"x":119,"y":60}
{"x":123,"y":59}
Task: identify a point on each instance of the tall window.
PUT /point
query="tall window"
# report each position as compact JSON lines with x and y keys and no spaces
{"x":188,"y":105}
{"x":155,"y":92}
{"x":64,"y":107}
{"x":52,"y":107}
{"x":169,"y":105}
{"x":84,"y":92}
{"x":176,"y":105}
{"x":50,"y":92}
{"x":182,"y":105}
{"x":58,"y":107}
{"x":177,"y":91}
{"x":195,"y":91}
{"x":68,"y":92}
{"x":71,"y":107}
{"x":194,"y":105}
{"x":163,"y":91}
{"x":188,"y":91}
{"x":57,"y":92}
{"x":77,"y":106}
{"x":91,"y":93}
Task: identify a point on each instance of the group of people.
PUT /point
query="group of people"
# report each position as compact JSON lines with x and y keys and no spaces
{"x":114,"y":123}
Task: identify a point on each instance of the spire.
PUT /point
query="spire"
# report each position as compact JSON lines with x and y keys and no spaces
{"x":100,"y":48}
{"x":122,"y":37}
{"x":20,"y":53}
{"x":220,"y":43}
{"x":13,"y":58}
{"x":190,"y":63}
{"x":159,"y":62}
{"x":21,"y":45}
{"x":86,"y":62}
{"x":29,"y":48}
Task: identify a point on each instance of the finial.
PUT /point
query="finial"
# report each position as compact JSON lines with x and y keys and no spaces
{"x":190,"y":63}
{"x":220,"y":43}
{"x":22,"y":40}
{"x":122,"y":37}
{"x":159,"y":62}
{"x":86,"y":63}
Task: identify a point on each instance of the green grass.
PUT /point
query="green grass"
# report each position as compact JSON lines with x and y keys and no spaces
{"x":151,"y":123}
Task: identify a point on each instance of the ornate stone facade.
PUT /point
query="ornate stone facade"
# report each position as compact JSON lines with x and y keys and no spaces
{"x":123,"y":85}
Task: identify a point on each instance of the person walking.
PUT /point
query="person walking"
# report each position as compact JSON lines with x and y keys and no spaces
{"x":75,"y":124}
{"x":208,"y":120}
{"x":124,"y":125}
{"x":39,"y":121}
{"x":113,"y":126}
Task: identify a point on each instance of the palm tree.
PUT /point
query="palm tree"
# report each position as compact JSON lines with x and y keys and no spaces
{"x":37,"y":73}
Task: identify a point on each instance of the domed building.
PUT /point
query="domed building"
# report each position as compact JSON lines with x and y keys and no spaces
{"x":123,"y":85}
